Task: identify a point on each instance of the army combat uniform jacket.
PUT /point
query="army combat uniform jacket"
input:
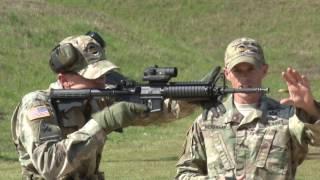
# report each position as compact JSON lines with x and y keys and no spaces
{"x":269,"y":143}
{"x":65,"y":143}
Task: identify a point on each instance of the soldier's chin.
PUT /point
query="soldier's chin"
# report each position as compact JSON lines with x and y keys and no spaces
{"x":241,"y":87}
{"x":245,"y":95}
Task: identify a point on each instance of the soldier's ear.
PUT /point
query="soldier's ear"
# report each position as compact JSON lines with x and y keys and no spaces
{"x":265,"y":68}
{"x":226,"y":73}
{"x":65,"y":80}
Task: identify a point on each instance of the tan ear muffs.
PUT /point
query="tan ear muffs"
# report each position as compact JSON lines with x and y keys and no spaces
{"x":63,"y":57}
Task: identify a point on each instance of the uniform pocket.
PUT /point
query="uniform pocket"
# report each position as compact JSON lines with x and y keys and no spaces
{"x":279,"y":155}
{"x":219,"y":157}
{"x":273,"y":154}
{"x":265,"y":148}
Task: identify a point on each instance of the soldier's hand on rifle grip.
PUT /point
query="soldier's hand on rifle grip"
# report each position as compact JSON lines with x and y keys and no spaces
{"x":119,"y":115}
{"x":212,"y":110}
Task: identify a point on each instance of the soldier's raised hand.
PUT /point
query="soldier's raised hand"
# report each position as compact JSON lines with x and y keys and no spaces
{"x":300,"y":94}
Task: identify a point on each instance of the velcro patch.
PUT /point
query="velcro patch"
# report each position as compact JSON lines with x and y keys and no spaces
{"x":38,"y":112}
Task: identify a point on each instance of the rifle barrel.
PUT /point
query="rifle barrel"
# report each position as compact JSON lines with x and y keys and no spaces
{"x":245,"y":90}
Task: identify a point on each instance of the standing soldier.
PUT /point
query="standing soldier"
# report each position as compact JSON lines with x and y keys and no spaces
{"x":67,"y":143}
{"x":257,"y":137}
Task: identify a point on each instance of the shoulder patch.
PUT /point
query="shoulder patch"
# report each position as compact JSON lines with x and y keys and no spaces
{"x":38,"y":112}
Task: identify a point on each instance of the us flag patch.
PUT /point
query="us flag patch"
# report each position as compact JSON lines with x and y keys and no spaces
{"x":38,"y":112}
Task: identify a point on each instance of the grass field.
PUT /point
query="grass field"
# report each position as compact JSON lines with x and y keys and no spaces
{"x":188,"y":34}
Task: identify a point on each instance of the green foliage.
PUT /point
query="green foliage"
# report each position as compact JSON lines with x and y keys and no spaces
{"x":190,"y":35}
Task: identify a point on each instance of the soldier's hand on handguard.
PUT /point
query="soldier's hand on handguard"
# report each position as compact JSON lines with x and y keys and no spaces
{"x":119,"y":115}
{"x":212,"y":109}
{"x":215,"y":107}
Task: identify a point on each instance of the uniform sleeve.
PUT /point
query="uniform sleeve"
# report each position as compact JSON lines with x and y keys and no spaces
{"x":304,"y":130}
{"x":307,"y":127}
{"x":192,"y":164}
{"x":172,"y":110}
{"x":53,"y":155}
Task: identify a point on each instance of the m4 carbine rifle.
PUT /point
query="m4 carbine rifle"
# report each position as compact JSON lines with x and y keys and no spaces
{"x":155,"y":91}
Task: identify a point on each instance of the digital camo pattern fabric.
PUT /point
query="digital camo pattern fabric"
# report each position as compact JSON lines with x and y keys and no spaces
{"x":68,"y":145}
{"x":268,"y":143}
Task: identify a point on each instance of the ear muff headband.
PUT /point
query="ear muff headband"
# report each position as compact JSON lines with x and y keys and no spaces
{"x":97,"y":37}
{"x":63,"y":57}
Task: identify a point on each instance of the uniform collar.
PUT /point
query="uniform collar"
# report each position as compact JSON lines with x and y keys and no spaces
{"x":55,"y":85}
{"x":234,"y":116}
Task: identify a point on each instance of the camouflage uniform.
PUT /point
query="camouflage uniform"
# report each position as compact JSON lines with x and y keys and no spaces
{"x":66,"y":143}
{"x":269,"y":143}
{"x":63,"y":143}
